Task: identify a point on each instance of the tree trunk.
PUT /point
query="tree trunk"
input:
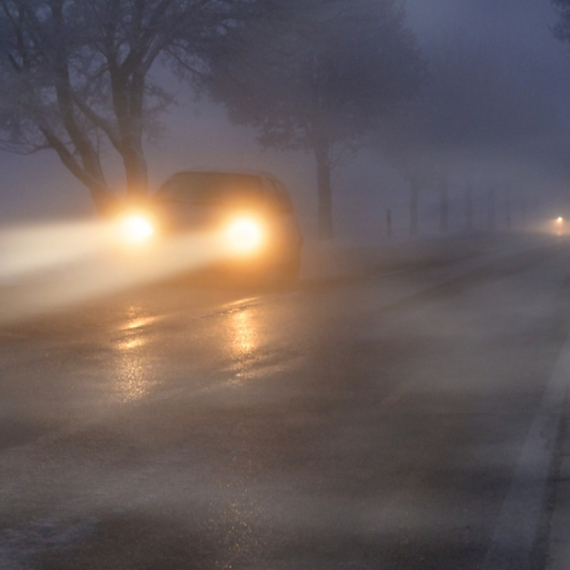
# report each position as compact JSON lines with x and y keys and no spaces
{"x":469,"y":209}
{"x":135,"y":163}
{"x":105,"y":203}
{"x":523,"y":212}
{"x":508,"y":214}
{"x":491,"y":224}
{"x":325,"y":225}
{"x":127,"y":104}
{"x":136,"y":173}
{"x":443,"y":207}
{"x":414,"y":205}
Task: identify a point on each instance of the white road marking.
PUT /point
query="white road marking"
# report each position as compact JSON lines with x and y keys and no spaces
{"x":517,"y":527}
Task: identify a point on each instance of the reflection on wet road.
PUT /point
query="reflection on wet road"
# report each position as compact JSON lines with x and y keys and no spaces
{"x":330,"y":426}
{"x":244,"y":342}
{"x":134,"y":379}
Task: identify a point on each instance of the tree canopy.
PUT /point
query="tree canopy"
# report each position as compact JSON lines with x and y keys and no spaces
{"x":74,"y":75}
{"x":322,"y":83}
{"x":562,"y":28}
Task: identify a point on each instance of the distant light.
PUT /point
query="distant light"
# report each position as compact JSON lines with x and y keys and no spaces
{"x":560,"y":220}
{"x":135,"y":229}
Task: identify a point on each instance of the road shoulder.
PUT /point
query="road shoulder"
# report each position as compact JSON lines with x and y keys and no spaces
{"x":559,"y":540}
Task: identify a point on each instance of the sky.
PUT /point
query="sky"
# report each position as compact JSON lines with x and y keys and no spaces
{"x":513,"y":34}
{"x":517,"y":32}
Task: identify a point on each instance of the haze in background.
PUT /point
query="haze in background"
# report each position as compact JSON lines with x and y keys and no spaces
{"x":514,"y":33}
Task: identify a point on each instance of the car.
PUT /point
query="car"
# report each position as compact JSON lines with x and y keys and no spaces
{"x":250,"y":214}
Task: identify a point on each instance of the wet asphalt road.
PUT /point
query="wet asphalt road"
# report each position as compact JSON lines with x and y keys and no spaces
{"x":350,"y":423}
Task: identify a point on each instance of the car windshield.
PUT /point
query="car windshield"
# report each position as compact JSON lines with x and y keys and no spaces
{"x":212,"y":188}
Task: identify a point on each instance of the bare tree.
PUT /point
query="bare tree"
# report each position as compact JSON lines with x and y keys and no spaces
{"x":562,"y":28}
{"x":75,"y":76}
{"x":471,"y":106}
{"x":323,"y":83}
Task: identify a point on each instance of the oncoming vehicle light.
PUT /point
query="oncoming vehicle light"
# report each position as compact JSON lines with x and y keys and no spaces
{"x":244,"y":236}
{"x":135,"y":229}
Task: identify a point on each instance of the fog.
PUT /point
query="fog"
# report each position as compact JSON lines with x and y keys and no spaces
{"x":49,"y":265}
{"x":527,"y":164}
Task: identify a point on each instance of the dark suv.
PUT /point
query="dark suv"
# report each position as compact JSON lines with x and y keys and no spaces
{"x":251,"y":213}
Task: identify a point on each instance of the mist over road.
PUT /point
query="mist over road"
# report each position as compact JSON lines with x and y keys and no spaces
{"x":368,"y":419}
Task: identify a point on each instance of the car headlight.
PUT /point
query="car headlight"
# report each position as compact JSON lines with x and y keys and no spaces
{"x":244,"y":236}
{"x":135,"y":229}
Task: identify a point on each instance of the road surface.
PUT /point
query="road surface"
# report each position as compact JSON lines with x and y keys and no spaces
{"x":375,"y":420}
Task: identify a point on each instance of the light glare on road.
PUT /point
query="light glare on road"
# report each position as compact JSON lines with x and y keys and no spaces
{"x":51,"y":265}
